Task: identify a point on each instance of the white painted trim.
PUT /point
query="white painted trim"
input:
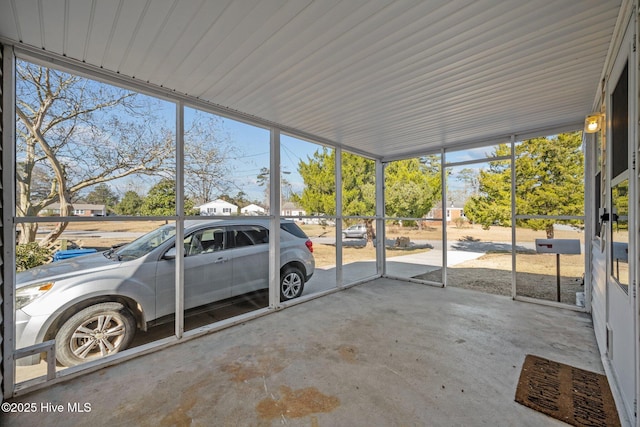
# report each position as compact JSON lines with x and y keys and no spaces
{"x":8,"y":227}
{"x":443,"y":188}
{"x":381,"y":254}
{"x":179,"y":278}
{"x":339,"y":217}
{"x":514,"y":271}
{"x":274,"y":225}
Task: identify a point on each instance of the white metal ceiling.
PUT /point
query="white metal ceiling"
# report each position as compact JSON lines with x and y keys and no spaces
{"x":389,"y":78}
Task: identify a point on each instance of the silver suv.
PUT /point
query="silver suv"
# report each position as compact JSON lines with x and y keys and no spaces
{"x":358,"y":230}
{"x":91,"y":304}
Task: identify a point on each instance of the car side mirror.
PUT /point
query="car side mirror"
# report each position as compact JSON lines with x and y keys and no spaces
{"x":170,"y":254}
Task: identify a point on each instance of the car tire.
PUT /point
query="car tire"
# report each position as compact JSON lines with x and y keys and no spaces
{"x":291,"y":283}
{"x":96,"y":331}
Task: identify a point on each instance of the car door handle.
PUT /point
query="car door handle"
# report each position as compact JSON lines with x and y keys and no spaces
{"x":220,"y":260}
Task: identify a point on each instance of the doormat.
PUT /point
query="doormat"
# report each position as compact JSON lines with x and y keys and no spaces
{"x":572,"y":395}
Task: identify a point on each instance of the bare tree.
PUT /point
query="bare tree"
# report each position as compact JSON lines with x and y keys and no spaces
{"x":207,"y":148}
{"x":286,"y":189}
{"x":79,"y":133}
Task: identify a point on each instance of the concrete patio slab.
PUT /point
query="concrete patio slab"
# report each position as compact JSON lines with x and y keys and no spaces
{"x":384,"y":353}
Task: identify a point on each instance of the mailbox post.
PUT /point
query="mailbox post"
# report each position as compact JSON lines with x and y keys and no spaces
{"x":558,"y":247}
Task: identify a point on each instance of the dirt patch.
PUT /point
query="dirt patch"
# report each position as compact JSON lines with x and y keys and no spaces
{"x":296,"y":404}
{"x":252,"y":366}
{"x":188,"y":399}
{"x":348,"y":353}
{"x":535,"y":278}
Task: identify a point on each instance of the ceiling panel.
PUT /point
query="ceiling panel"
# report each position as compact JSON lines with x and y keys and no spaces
{"x":103,"y":22}
{"x":77,"y":29}
{"x":388,"y":78}
{"x":129,"y":18}
{"x":197,"y":37}
{"x":53,"y":38}
{"x":169,"y":31}
{"x":151,"y":22}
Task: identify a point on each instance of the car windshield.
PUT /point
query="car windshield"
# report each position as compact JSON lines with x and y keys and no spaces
{"x":145,"y":244}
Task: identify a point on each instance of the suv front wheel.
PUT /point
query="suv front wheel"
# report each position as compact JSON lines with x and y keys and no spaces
{"x":96,"y":331}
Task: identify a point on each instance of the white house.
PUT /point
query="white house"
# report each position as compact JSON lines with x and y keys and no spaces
{"x":290,"y":209}
{"x":218,"y":207}
{"x":253,"y":209}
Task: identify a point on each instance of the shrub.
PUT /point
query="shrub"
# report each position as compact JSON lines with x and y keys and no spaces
{"x":31,"y":255}
{"x":460,"y":222}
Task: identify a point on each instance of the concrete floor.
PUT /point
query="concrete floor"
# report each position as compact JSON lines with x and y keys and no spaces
{"x":385,"y":353}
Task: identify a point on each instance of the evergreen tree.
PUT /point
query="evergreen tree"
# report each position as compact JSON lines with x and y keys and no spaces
{"x":318,"y":174}
{"x":411,"y":186}
{"x":102,"y":195}
{"x":549,"y":181}
{"x":161,"y":200}
{"x":130,"y":204}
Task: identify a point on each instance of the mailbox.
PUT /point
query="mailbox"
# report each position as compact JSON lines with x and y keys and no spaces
{"x":621,"y":251}
{"x":558,"y":246}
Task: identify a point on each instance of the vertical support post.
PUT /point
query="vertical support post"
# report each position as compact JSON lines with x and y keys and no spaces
{"x":590,"y":210}
{"x":635,"y":219}
{"x":513,"y":217}
{"x":558,"y":277}
{"x":381,"y":265}
{"x":338,"y":175}
{"x":274,"y":217}
{"x":8,"y":225}
{"x":443,"y":187}
{"x":179,"y":276}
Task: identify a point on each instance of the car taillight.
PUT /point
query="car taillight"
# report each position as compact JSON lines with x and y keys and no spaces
{"x":309,"y":244}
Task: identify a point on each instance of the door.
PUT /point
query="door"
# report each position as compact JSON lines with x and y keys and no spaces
{"x":250,"y":258}
{"x":621,"y":194}
{"x":207,"y":272}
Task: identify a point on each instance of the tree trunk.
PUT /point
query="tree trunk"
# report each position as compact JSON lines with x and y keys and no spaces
{"x":66,"y":209}
{"x":27,"y":233}
{"x":549,"y":231}
{"x":53,"y":235}
{"x":370,"y":232}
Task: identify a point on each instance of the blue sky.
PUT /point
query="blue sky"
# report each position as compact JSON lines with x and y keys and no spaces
{"x":250,"y":154}
{"x":253,"y":143}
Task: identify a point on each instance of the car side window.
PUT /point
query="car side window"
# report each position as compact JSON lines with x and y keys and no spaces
{"x":205,"y":241}
{"x":250,"y":235}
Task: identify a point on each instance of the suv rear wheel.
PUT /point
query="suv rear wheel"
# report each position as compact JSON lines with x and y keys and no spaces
{"x":291,"y":283}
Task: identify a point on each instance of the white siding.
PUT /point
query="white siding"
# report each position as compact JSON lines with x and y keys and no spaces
{"x":599,"y":296}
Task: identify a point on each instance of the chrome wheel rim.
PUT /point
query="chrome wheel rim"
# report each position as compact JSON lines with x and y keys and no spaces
{"x":98,"y":336}
{"x":291,"y":285}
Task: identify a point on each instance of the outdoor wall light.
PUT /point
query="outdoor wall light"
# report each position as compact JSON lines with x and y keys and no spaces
{"x":592,"y":123}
